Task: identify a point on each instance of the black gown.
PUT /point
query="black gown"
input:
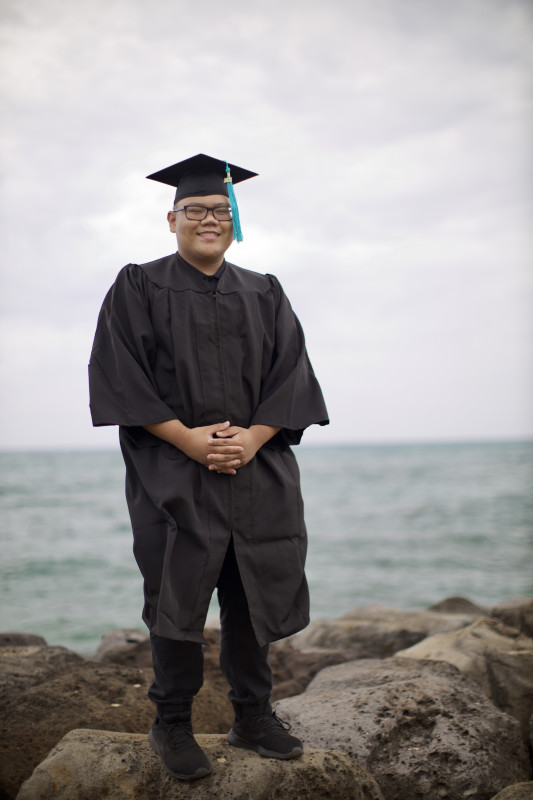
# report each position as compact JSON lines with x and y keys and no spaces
{"x":172,"y":344}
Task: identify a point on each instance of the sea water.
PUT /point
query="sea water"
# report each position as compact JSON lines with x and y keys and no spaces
{"x":400,"y":525}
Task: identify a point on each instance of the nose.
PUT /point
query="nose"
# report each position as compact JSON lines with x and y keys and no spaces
{"x":206,"y":218}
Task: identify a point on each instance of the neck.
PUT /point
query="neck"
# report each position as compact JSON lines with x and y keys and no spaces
{"x":208,"y":267}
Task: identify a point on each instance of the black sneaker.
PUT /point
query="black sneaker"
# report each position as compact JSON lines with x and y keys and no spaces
{"x":267,"y":735}
{"x":181,"y":754}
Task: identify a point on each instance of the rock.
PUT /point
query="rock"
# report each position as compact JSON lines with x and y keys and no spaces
{"x":421,"y":728}
{"x":20,"y":639}
{"x":89,"y":765}
{"x":518,"y":791}
{"x":23,"y":666}
{"x":212,"y":711}
{"x":499,"y":658}
{"x":127,"y":646}
{"x":49,"y":691}
{"x":377,"y":632}
{"x":293,"y":669}
{"x":458,"y":605}
{"x":517,"y":613}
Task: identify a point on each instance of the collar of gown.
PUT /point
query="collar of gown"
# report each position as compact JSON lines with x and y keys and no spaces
{"x":173,"y":272}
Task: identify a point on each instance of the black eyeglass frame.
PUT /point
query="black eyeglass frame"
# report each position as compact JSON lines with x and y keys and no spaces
{"x":226,"y":209}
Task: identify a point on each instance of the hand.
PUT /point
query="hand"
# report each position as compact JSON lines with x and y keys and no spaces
{"x":250,"y":440}
{"x":202,"y":445}
{"x":221,"y":447}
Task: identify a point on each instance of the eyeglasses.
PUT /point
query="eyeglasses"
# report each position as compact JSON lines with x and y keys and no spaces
{"x":221,"y":213}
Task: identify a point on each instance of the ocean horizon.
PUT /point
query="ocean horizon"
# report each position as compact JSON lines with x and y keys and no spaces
{"x":403,"y":525}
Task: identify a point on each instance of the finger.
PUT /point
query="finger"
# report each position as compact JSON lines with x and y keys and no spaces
{"x":219,"y":426}
{"x":227,"y":433}
{"x":223,"y":458}
{"x":221,"y":441}
{"x":224,"y":463}
{"x":223,"y":447}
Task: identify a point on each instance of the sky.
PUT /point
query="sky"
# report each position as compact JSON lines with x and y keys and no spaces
{"x":393,"y":142}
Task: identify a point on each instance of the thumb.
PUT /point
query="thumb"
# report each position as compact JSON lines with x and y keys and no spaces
{"x":219,"y":426}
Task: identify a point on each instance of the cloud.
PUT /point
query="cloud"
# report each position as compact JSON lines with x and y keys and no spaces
{"x":393,"y":142}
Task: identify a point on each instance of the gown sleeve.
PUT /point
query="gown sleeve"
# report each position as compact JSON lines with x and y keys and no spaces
{"x":291,"y":397}
{"x":122,"y":387}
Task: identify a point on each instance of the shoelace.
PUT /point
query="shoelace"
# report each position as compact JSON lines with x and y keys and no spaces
{"x":179,"y":734}
{"x":273,"y":721}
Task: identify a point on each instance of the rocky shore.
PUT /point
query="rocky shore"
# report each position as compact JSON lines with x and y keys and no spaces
{"x":391,"y":705}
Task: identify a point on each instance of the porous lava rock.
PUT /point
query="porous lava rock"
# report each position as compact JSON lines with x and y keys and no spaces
{"x":518,"y":791}
{"x":517,"y":613}
{"x":129,"y":647}
{"x":421,"y":728}
{"x":89,"y":765}
{"x":16,"y":639}
{"x":459,"y":605}
{"x":498,"y":657}
{"x":48,"y":691}
{"x":377,"y":632}
{"x":293,"y":669}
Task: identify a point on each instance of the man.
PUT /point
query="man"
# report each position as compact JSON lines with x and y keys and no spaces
{"x":203,"y":366}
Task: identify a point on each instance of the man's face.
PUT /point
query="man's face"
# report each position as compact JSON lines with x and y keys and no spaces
{"x":202,"y":242}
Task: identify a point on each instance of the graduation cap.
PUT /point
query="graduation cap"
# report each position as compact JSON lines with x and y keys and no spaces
{"x":203,"y":175}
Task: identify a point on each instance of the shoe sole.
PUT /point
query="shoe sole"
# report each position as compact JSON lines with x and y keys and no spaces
{"x":200,"y":773}
{"x":236,"y":741}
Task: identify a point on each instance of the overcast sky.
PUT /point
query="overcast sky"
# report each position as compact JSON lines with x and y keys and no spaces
{"x":394,"y":203}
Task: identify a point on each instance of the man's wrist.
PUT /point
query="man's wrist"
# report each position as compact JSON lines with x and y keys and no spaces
{"x":172,"y":431}
{"x":181,"y":435}
{"x":263,"y":433}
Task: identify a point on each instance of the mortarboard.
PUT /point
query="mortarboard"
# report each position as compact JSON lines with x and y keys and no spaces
{"x":203,"y":175}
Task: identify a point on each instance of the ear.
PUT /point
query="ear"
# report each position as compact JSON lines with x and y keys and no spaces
{"x":171,"y":217}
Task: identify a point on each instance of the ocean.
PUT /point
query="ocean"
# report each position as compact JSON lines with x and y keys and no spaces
{"x":400,"y":525}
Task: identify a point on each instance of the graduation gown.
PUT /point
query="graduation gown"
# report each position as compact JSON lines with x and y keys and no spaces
{"x":170,"y":343}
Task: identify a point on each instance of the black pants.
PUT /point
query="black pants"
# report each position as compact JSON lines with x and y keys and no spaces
{"x":178,"y":665}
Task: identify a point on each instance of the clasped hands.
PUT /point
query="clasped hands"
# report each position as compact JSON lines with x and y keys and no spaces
{"x":222,"y":447}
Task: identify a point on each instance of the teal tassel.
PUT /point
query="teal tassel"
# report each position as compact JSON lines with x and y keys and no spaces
{"x":237,"y":233}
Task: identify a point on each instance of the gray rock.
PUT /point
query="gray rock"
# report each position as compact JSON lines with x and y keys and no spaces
{"x":23,"y":666}
{"x":458,"y":605}
{"x":377,"y":632}
{"x":499,"y":658}
{"x":293,"y":668}
{"x":117,"y":645}
{"x":421,"y":728}
{"x":48,"y":691}
{"x":21,"y":639}
{"x":89,"y":765}
{"x":517,"y":613}
{"x":518,"y":791}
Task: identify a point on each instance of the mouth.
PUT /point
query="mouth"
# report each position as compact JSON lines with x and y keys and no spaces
{"x":208,"y":234}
